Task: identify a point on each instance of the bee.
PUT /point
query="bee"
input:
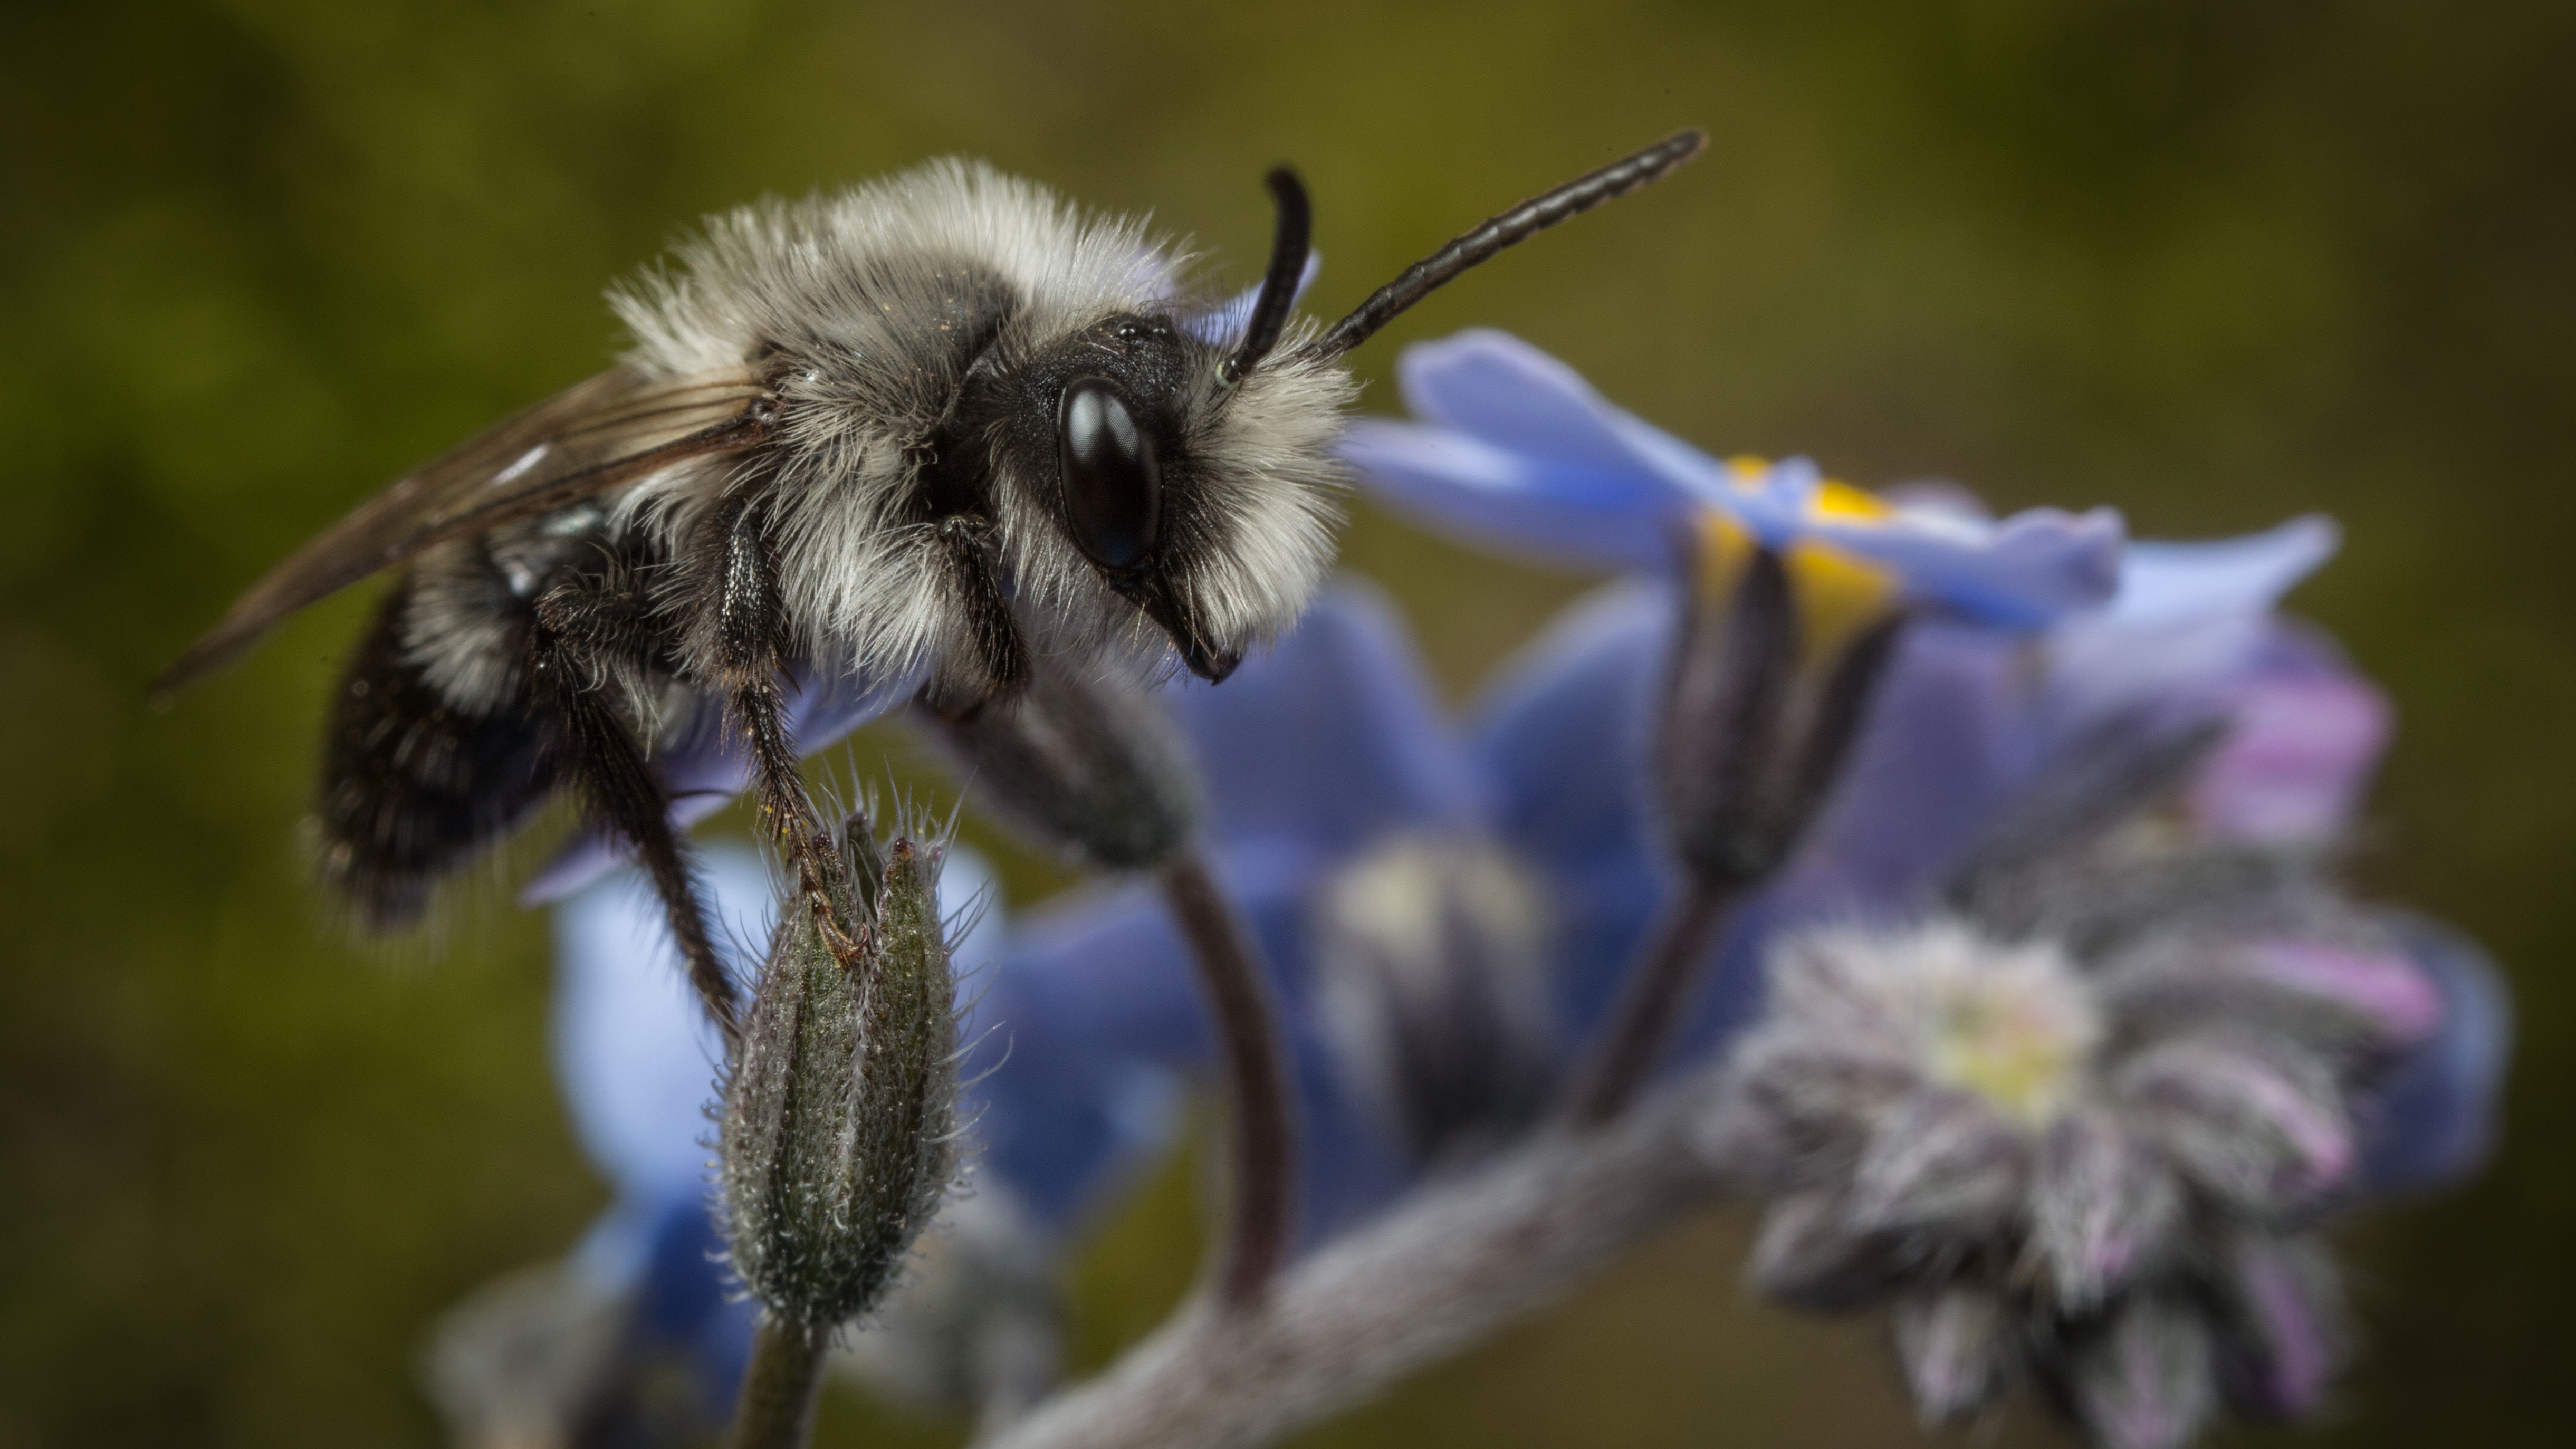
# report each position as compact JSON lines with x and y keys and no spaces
{"x":911,"y":434}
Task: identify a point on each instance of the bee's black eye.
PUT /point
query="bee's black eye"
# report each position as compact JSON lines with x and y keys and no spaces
{"x":1113,"y":488}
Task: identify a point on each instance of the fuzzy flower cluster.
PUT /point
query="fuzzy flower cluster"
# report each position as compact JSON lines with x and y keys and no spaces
{"x":2033,"y":1013}
{"x":2092,"y":1148}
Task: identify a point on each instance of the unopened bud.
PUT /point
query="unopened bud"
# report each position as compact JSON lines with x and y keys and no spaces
{"x":1773,"y":669}
{"x":2283,"y":1335}
{"x":1090,"y":768}
{"x":2144,"y":1379}
{"x":1957,"y":1344}
{"x":837,"y":1139}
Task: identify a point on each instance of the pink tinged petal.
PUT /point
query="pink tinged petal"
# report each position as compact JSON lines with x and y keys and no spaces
{"x":1940,"y":1161}
{"x":2146,"y":1383}
{"x":1957,"y":1345}
{"x":2261,"y":1132}
{"x":2188,"y":618}
{"x":2386,"y":989}
{"x":2296,"y":759}
{"x":2287,"y":1300}
{"x":2103,"y":1206}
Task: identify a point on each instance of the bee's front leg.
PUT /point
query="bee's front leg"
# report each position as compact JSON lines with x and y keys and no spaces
{"x":740,"y":642}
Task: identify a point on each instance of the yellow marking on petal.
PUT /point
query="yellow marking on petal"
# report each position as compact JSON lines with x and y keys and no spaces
{"x":1838,"y":594}
{"x":1842,"y":503}
{"x":1749,"y":467}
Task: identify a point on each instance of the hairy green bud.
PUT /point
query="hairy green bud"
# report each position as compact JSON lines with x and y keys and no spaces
{"x":837,"y":1140}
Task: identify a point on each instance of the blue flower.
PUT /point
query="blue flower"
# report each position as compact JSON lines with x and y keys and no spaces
{"x":1517,"y":452}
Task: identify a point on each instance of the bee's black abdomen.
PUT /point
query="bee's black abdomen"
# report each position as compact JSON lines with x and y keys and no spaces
{"x":413,"y":787}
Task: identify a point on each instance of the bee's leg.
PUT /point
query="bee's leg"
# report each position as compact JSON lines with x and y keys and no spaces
{"x":742,"y":644}
{"x":571,"y":686}
{"x":414,"y":785}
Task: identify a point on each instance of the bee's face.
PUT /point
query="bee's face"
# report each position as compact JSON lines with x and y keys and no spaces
{"x":1130,"y":473}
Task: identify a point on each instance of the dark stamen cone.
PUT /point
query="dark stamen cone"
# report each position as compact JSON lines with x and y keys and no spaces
{"x":1774,"y":666}
{"x":839,"y":1114}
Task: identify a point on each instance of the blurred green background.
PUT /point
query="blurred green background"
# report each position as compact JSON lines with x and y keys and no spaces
{"x":2212,"y":263}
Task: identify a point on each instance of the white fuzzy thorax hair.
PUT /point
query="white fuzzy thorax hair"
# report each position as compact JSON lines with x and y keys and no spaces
{"x":848,"y":298}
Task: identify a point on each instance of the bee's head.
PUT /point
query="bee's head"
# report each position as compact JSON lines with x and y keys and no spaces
{"x":1156,"y":469}
{"x":1179,"y":466}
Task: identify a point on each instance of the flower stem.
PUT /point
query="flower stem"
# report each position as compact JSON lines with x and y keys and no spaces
{"x":1255,"y":1238}
{"x":1644,"y":1018}
{"x":779,"y":1387}
{"x":1445,"y":1268}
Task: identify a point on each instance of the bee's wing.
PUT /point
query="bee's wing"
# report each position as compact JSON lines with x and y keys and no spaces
{"x":613,"y":429}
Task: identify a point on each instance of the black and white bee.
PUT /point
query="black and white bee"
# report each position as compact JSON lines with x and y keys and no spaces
{"x":923,"y":429}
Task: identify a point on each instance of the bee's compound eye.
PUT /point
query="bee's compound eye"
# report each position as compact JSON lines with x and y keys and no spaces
{"x":1113,"y":488}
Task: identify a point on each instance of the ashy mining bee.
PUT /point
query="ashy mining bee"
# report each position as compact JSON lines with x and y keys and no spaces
{"x":918,"y":430}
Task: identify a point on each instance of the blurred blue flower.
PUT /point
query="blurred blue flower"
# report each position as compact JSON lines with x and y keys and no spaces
{"x":1516,"y":452}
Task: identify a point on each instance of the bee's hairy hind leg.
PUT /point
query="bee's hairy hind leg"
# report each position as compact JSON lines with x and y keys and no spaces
{"x":598,"y":753}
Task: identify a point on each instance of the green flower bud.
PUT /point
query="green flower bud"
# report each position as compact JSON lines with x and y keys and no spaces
{"x":837,"y":1139}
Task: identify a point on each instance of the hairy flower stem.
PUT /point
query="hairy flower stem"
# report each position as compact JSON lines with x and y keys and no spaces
{"x":779,"y":1388}
{"x":1255,"y":1237}
{"x":1451,"y":1265}
{"x":1648,"y":1012}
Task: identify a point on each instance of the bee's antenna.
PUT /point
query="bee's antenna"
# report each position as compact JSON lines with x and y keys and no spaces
{"x":1525,"y":220}
{"x":1279,"y":286}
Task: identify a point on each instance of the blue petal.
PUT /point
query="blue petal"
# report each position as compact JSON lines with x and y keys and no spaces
{"x":1223,"y":324}
{"x":1330,"y":739}
{"x":1548,"y":513}
{"x":634,"y":1055}
{"x":2186,"y":617}
{"x":1563,"y":739}
{"x":2432,"y":1119}
{"x":688,"y":1309}
{"x":1094,"y":1022}
{"x":1499,"y":390}
{"x":704,"y":767}
{"x":1086,"y":1028}
{"x":1948,"y":738}
{"x":2172,"y":583}
{"x":1523,"y":456}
